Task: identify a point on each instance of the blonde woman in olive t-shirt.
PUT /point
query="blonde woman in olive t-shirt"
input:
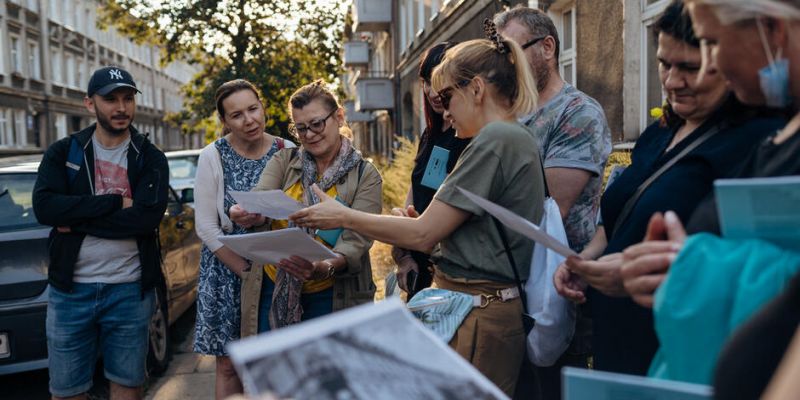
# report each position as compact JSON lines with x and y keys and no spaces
{"x":484,"y":86}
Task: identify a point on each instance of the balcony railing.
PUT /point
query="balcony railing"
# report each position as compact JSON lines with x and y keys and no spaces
{"x":355,"y":116}
{"x":372,"y":15}
{"x":374,"y":93}
{"x":356,"y":54}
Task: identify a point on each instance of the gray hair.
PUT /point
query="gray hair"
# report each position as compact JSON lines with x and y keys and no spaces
{"x":536,"y":21}
{"x":732,"y":11}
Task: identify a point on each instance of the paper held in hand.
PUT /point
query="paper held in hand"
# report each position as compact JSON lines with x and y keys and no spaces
{"x":273,"y":246}
{"x":519,"y":224}
{"x":274,"y":204}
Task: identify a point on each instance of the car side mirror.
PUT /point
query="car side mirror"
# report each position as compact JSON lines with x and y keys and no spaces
{"x":187,"y":195}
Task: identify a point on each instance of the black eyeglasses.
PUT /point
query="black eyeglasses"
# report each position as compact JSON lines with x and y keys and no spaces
{"x":315,"y":126}
{"x":532,"y":42}
{"x":446,"y":94}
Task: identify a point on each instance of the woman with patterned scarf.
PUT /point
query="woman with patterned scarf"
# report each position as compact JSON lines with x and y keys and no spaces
{"x":296,"y":290}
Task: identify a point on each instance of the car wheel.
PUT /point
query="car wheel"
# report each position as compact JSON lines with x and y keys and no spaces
{"x":159,"y":354}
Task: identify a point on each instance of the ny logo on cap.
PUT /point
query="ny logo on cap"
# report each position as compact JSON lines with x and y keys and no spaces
{"x":115,"y":74}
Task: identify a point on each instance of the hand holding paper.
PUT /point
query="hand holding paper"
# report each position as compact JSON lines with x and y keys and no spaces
{"x":519,"y":224}
{"x":274,"y":246}
{"x":274,"y":204}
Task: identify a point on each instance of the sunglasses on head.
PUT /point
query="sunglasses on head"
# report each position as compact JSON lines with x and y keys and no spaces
{"x":315,"y":126}
{"x":446,"y":94}
{"x":532,"y":42}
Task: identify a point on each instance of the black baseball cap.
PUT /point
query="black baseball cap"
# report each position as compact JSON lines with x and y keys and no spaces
{"x":108,"y":79}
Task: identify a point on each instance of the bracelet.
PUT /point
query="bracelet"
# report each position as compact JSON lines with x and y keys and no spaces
{"x":331,"y":269}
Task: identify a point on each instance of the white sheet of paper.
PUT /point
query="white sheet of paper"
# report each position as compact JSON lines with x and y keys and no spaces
{"x":274,"y":204}
{"x":519,"y":224}
{"x":273,"y":246}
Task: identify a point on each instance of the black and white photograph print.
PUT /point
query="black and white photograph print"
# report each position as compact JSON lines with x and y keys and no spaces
{"x":375,"y":351}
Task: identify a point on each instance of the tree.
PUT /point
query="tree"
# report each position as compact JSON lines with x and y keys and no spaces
{"x":279,"y":45}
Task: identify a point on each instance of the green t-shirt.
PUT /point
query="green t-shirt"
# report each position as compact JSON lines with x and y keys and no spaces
{"x":501,"y":164}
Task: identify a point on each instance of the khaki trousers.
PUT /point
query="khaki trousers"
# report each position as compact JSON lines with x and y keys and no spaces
{"x":492,"y":339}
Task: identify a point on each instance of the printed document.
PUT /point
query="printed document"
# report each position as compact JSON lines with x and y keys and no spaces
{"x":273,"y":246}
{"x":519,"y":224}
{"x":762,"y":208}
{"x":373,"y":351}
{"x":274,"y":204}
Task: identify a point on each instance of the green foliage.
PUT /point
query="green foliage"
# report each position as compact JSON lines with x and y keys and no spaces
{"x":620,"y":157}
{"x":279,"y":45}
{"x":397,"y":174}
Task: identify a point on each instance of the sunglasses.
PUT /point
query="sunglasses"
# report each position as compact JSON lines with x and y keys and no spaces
{"x":315,"y":126}
{"x":446,"y":94}
{"x":532,"y":42}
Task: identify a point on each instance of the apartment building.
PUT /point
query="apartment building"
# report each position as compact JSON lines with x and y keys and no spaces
{"x":607,"y":51}
{"x":48,"y":50}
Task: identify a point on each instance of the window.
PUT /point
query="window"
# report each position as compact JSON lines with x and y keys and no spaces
{"x":61,"y":125}
{"x":72,"y":73}
{"x":20,"y":128}
{"x":6,"y":133}
{"x":2,"y":55}
{"x":651,"y":94}
{"x":69,"y":16}
{"x":55,"y":10}
{"x":79,"y":22}
{"x":568,"y":29}
{"x":56,"y":62}
{"x":83,"y":78}
{"x":34,"y":63}
{"x":16,"y":54}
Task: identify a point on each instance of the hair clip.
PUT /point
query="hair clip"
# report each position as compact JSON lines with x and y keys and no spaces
{"x":490,"y":30}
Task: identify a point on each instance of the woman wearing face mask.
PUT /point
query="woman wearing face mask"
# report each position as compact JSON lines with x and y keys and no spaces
{"x":439,"y":148}
{"x":296,"y":290}
{"x":703,"y":137}
{"x":484,"y":87}
{"x":233,"y":162}
{"x":765,"y":33}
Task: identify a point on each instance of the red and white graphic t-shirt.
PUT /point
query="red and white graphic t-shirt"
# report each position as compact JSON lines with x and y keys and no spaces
{"x":107,"y":260}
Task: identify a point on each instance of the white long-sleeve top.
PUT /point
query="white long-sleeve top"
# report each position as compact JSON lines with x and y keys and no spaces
{"x":209,"y":199}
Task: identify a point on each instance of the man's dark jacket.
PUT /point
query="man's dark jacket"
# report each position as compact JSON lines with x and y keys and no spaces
{"x":58,"y":202}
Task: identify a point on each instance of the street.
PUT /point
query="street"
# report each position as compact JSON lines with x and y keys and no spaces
{"x":190,"y":376}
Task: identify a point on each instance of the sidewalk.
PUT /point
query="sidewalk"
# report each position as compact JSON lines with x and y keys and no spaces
{"x":189,"y":376}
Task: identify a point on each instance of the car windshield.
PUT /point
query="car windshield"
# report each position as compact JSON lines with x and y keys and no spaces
{"x":183,"y":167}
{"x":16,"y":202}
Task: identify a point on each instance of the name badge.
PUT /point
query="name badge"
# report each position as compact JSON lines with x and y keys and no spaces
{"x":331,"y":236}
{"x":436,"y":170}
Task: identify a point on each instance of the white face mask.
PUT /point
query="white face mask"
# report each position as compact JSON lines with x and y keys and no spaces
{"x":774,"y":78}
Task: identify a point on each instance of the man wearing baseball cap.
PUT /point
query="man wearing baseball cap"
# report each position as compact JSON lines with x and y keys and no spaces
{"x":103,"y":190}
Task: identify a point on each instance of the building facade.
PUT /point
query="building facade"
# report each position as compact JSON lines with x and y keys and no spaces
{"x":613,"y":57}
{"x":607,"y":51}
{"x":48,"y":50}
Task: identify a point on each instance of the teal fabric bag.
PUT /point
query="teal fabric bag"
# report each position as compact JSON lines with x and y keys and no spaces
{"x":713,"y":286}
{"x":442,"y":311}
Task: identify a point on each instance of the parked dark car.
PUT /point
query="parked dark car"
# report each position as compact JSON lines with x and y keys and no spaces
{"x":23,"y":271}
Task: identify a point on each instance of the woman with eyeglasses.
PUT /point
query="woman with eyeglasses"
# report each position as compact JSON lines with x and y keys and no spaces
{"x":484,"y":86}
{"x":439,"y":148}
{"x":295,"y":290}
{"x":233,"y":162}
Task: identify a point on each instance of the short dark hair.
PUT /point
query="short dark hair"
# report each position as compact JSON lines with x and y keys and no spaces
{"x":675,"y":22}
{"x":536,"y":21}
{"x":230,"y":87}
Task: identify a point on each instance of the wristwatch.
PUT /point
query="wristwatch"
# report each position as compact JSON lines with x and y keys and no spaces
{"x":331,"y":269}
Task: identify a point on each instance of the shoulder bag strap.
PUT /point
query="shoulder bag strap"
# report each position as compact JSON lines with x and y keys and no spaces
{"x":504,"y":239}
{"x":626,"y":210}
